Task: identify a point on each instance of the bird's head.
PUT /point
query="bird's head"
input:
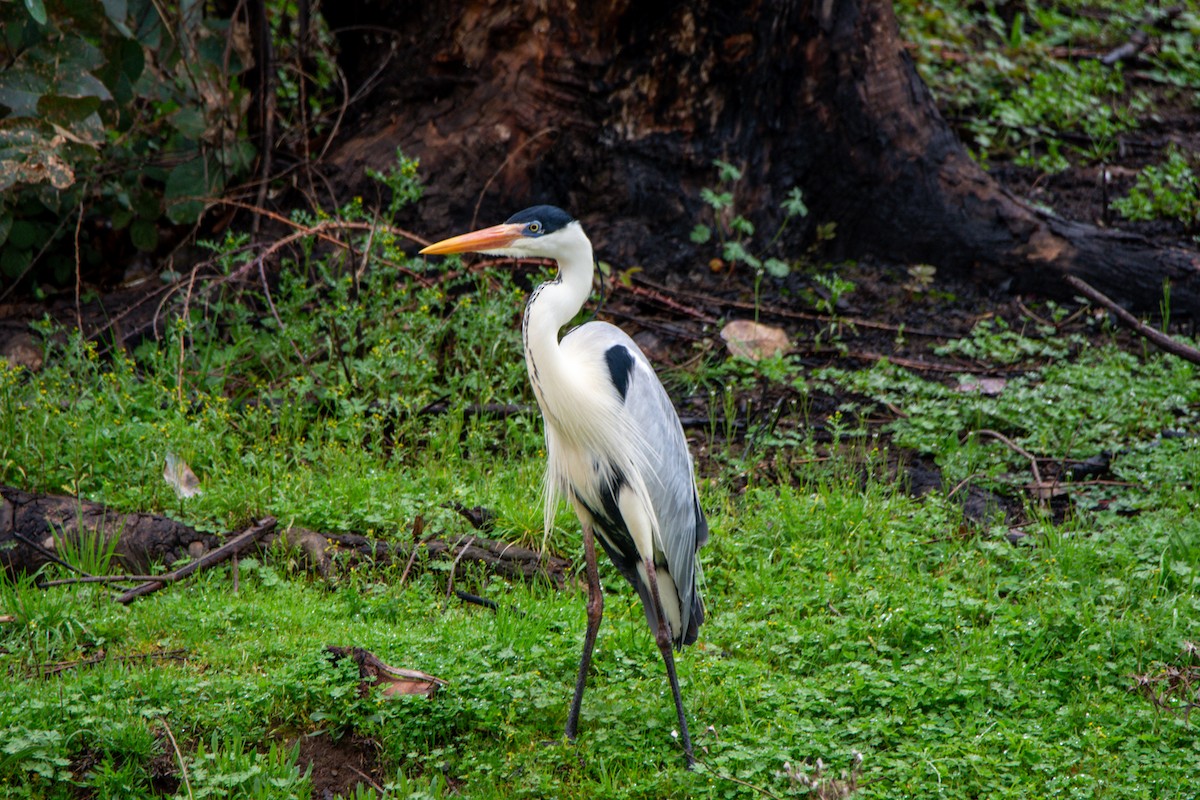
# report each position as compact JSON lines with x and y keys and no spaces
{"x":537,"y":232}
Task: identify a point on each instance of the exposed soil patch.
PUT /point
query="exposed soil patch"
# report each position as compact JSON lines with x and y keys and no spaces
{"x":339,"y":765}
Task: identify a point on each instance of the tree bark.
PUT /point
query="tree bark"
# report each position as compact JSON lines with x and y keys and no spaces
{"x":615,"y":110}
{"x":30,"y":525}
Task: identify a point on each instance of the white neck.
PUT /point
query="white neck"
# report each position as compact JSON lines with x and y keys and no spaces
{"x":551,"y":306}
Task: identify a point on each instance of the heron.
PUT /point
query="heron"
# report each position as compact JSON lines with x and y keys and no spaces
{"x":615,"y":448}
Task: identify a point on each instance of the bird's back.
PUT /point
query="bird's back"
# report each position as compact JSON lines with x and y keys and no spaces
{"x":665,"y":474}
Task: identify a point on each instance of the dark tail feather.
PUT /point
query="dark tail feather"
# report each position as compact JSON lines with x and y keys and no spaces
{"x":694,"y":622}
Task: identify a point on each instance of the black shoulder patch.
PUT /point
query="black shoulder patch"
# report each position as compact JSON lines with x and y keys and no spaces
{"x":620,"y":366}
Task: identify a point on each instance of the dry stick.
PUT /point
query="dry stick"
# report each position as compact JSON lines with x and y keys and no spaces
{"x":1140,"y":38}
{"x":1016,"y":448}
{"x":33,"y":262}
{"x":50,"y":554}
{"x":78,"y":266}
{"x":1157,"y":338}
{"x":234,"y":545}
{"x":178,"y":756}
{"x":454,"y":566}
{"x":319,"y":231}
{"x":100,"y":579}
{"x":963,"y":483}
{"x":187,"y":303}
{"x":503,"y":164}
{"x":718,"y":774}
{"x":908,"y":363}
{"x":786,"y":313}
{"x":63,"y":666}
{"x":418,"y":527}
{"x":262,"y":273}
{"x":663,"y":300}
{"x":379,"y":789}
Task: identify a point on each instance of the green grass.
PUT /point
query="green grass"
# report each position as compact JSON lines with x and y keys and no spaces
{"x":1025,"y":80}
{"x":847,"y":620}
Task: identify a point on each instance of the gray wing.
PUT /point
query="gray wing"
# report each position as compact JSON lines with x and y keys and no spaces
{"x":671,"y":480}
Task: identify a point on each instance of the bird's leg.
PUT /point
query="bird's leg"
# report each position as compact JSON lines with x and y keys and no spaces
{"x":662,"y":636}
{"x":595,"y":610}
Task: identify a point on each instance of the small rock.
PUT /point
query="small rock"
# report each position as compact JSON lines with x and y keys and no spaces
{"x":20,"y":350}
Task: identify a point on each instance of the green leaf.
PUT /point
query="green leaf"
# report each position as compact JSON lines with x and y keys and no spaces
{"x":145,"y":203}
{"x":37,"y":10}
{"x":117,"y":11}
{"x":144,"y":235}
{"x":734,"y":251}
{"x":741,"y":225}
{"x":28,"y":155}
{"x":701,"y":234}
{"x":189,"y":121}
{"x":66,"y":110}
{"x":718,"y":200}
{"x":794,"y":204}
{"x":13,"y":261}
{"x":187,"y":184}
{"x":23,"y":234}
{"x":777,"y":268}
{"x":20,"y":90}
{"x":727,"y":172}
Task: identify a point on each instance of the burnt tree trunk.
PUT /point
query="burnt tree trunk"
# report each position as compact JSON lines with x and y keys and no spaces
{"x":616,"y":109}
{"x":34,"y":526}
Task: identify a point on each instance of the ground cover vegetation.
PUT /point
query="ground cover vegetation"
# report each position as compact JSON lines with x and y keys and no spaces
{"x":1024,"y":623}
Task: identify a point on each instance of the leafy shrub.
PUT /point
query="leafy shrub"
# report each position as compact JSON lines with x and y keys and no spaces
{"x":1170,"y":191}
{"x":121,"y":114}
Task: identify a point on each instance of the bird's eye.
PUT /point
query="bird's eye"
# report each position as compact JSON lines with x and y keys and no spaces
{"x":535,"y":227}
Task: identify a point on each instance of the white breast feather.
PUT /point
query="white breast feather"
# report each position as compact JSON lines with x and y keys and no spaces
{"x":585,"y":426}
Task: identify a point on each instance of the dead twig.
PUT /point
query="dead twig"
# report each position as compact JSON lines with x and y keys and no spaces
{"x":907,"y":363}
{"x":98,"y":579}
{"x":475,"y":599}
{"x":1141,"y":37}
{"x":417,"y":527}
{"x":62,"y":666}
{"x":187,"y":781}
{"x":787,"y":313}
{"x":1173,"y":687}
{"x":1157,"y":338}
{"x":321,"y":231}
{"x":457,"y":558}
{"x":507,"y":160}
{"x":234,"y":545}
{"x":659,"y":297}
{"x":1016,"y":448}
{"x":50,"y":554}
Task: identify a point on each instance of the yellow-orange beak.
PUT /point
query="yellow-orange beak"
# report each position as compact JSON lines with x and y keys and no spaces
{"x":496,"y":237}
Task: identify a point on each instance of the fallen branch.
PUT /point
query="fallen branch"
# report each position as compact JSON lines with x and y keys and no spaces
{"x":1157,"y":338}
{"x":32,"y":525}
{"x":393,"y":680}
{"x":766,"y":309}
{"x":502,"y":558}
{"x":62,"y":666}
{"x":1141,"y":37}
{"x":1016,"y":448}
{"x":235,"y":545}
{"x":475,"y":599}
